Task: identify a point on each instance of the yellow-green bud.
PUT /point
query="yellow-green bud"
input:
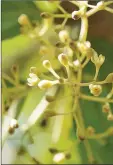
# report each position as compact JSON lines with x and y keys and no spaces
{"x":33,"y":79}
{"x":64,"y":36}
{"x":47,"y":64}
{"x":45,"y":84}
{"x":106,"y":108}
{"x":63,"y":59}
{"x":110,"y":117}
{"x":98,"y":60}
{"x":23,"y":19}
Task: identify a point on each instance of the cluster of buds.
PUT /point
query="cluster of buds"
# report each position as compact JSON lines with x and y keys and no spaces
{"x":95,"y":89}
{"x":12,"y":126}
{"x":34,"y":80}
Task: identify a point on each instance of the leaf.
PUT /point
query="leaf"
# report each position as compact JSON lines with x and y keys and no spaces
{"x":11,"y":11}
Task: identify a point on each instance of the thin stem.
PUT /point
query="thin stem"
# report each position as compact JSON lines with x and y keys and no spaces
{"x":96,"y":74}
{"x":84,"y":29}
{"x":108,"y":3}
{"x":89,"y":151}
{"x":96,"y":99}
{"x":62,"y":9}
{"x":109,"y":9}
{"x":64,"y":22}
{"x":102,"y":135}
{"x":85,"y":63}
{"x":92,"y":11}
{"x":62,"y":16}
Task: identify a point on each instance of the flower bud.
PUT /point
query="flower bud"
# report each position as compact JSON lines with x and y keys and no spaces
{"x":76,"y":15}
{"x":98,"y":60}
{"x":95,"y":89}
{"x":76,"y":64}
{"x":59,"y":44}
{"x":100,"y":5}
{"x":14,"y":123}
{"x":90,"y":130}
{"x":110,"y":117}
{"x":69,"y":52}
{"x":50,"y":98}
{"x":106,"y":108}
{"x":84,"y":47}
{"x":11,"y":130}
{"x":64,"y":36}
{"x":59,"y":157}
{"x":63,"y":59}
{"x":33,"y":80}
{"x":45,"y":84}
{"x":109,"y":78}
{"x":47,"y":64}
{"x":23,"y":19}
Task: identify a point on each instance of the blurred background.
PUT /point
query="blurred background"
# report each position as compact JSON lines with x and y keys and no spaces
{"x":23,"y":52}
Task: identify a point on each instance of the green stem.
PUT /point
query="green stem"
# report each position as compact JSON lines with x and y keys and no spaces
{"x":97,"y":99}
{"x":84,"y":28}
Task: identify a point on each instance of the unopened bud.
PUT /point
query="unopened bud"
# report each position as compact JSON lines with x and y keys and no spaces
{"x":47,"y":64}
{"x":90,"y":130}
{"x":69,"y":52}
{"x":76,"y":63}
{"x":64,"y":36}
{"x":110,"y":117}
{"x":98,"y":60}
{"x":59,"y":157}
{"x":14,"y":123}
{"x":95,"y":89}
{"x":11,"y":130}
{"x":33,"y":79}
{"x":101,"y":5}
{"x":23,"y":19}
{"x":76,"y":15}
{"x":50,"y":98}
{"x":106,"y":108}
{"x":45,"y":84}
{"x":60,"y":44}
{"x":63,"y":59}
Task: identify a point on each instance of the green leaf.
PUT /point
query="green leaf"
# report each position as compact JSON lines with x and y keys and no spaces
{"x":11,"y":10}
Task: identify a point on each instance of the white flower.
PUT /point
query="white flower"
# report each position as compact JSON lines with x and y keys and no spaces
{"x":95,"y":89}
{"x":33,"y":79}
